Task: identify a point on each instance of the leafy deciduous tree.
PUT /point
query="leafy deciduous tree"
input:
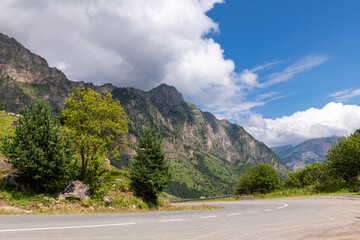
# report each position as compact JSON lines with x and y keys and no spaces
{"x":259,"y":176}
{"x":97,"y":125}
{"x":344,"y":157}
{"x":39,"y":150}
{"x":150,"y":171}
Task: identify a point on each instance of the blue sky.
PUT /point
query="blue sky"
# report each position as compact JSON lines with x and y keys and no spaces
{"x":254,"y":33}
{"x":285,"y":70}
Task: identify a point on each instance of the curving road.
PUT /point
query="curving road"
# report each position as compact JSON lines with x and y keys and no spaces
{"x":263,"y":219}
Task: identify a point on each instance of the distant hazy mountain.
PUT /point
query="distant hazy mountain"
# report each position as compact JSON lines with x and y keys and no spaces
{"x":207,"y":156}
{"x":305,"y":153}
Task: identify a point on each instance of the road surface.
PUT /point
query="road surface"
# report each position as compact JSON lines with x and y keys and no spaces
{"x":261,"y":219}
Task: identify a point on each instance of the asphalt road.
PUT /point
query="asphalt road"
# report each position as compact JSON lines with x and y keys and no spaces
{"x":261,"y":219}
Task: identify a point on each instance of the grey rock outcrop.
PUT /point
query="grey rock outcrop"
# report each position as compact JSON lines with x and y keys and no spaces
{"x":106,"y":199}
{"x":76,"y":189}
{"x":13,"y":179}
{"x":4,"y":165}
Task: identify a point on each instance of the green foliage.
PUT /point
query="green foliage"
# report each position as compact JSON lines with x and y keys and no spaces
{"x":259,"y":176}
{"x":150,"y":171}
{"x":204,"y":175}
{"x":2,"y":106}
{"x":39,"y":150}
{"x":6,"y":129}
{"x":318,"y":175}
{"x":344,"y":157}
{"x":97,"y":125}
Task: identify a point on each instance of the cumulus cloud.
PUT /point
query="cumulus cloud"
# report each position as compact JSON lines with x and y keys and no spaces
{"x":249,"y":78}
{"x":128,"y":43}
{"x":140,"y":44}
{"x":145,"y":43}
{"x":333,"y":119}
{"x":346,"y":95}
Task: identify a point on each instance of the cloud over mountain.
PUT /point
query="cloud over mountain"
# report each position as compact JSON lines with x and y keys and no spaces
{"x":128,"y":43}
{"x":333,"y":119}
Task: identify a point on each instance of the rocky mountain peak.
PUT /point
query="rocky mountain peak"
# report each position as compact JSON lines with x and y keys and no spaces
{"x":165,"y":94}
{"x":20,"y":64}
{"x":206,"y":155}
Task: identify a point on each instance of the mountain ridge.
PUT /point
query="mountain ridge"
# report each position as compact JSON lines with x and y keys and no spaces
{"x":207,"y":155}
{"x":305,"y":153}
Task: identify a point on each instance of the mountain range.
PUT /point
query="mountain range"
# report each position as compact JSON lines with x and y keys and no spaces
{"x":305,"y":153}
{"x":207,"y":155}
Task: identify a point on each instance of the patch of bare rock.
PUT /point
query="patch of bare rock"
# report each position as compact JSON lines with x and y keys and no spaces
{"x":77,"y":189}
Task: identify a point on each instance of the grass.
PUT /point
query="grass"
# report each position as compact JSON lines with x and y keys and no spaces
{"x":5,"y":126}
{"x":302,"y":192}
{"x":284,"y":193}
{"x":123,"y":200}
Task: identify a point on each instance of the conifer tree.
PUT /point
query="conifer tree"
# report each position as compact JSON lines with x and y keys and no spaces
{"x":39,"y":150}
{"x":150,"y":171}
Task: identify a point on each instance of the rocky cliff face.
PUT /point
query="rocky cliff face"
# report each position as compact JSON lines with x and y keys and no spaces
{"x":25,"y":76}
{"x":305,"y":153}
{"x":207,"y":156}
{"x":208,"y":150}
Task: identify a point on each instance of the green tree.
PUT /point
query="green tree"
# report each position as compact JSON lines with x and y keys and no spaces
{"x":39,"y":150}
{"x":97,"y":126}
{"x":2,"y":106}
{"x":259,"y":176}
{"x":150,"y":171}
{"x":314,"y":174}
{"x":344,"y":157}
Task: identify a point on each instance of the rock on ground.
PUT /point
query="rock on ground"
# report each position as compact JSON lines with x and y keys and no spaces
{"x":12,"y":179}
{"x":76,"y":189}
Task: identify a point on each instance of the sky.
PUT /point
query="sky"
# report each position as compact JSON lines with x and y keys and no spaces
{"x":286,"y":71}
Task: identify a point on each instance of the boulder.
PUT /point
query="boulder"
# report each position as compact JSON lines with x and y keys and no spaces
{"x":76,"y":189}
{"x":4,"y":165}
{"x":13,"y":179}
{"x":106,"y":199}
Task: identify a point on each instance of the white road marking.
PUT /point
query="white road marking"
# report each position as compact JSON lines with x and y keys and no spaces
{"x":171,"y":220}
{"x":66,"y":227}
{"x":233,"y":214}
{"x":284,"y":206}
{"x":253,"y":212}
{"x":266,"y":210}
{"x":208,"y":217}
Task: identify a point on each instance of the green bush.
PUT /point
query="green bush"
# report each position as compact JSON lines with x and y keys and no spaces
{"x":319,"y":176}
{"x":259,"y":176}
{"x":2,"y":106}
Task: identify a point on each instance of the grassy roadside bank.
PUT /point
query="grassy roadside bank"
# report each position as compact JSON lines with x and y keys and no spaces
{"x":281,"y":194}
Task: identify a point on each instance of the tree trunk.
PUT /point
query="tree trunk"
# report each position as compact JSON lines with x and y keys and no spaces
{"x":83,"y":166}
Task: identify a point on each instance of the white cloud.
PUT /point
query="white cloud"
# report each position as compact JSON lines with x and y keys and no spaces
{"x":300,"y":66}
{"x":128,"y":43}
{"x":258,"y":68}
{"x":141,"y":44}
{"x":333,"y":119}
{"x":266,"y":96}
{"x":249,"y":78}
{"x":346,"y":95}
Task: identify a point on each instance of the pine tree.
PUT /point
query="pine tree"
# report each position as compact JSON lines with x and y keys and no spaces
{"x":39,"y":150}
{"x":150,"y":171}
